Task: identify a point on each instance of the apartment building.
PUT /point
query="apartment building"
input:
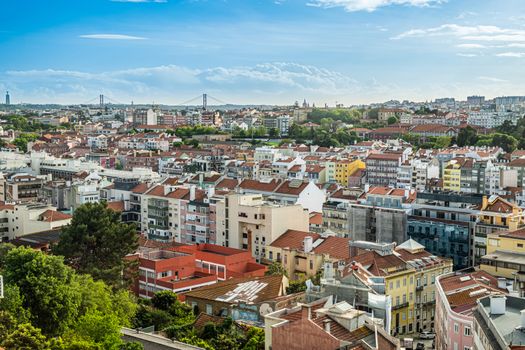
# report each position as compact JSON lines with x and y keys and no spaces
{"x":427,"y":268}
{"x":506,"y":257}
{"x":456,"y":300}
{"x":380,"y":215}
{"x":23,"y":188}
{"x":498,"y":323}
{"x":445,"y":224}
{"x":17,"y":220}
{"x":496,"y":215}
{"x":249,"y":222}
{"x":382,"y":168}
{"x":344,"y":168}
{"x":302,"y":254}
{"x":182,"y":268}
{"x":323,"y":324}
{"x":169,"y":212}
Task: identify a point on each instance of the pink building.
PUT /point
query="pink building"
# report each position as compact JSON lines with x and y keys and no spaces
{"x":456,"y":297}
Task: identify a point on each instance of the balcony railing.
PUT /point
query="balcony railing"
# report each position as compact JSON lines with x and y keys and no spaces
{"x":400,"y":306}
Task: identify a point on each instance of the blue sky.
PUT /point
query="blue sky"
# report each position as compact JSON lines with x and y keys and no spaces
{"x":261,"y":51}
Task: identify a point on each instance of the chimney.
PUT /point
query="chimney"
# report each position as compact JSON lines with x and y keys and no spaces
{"x":484,"y":203}
{"x":367,"y":188}
{"x":192,"y":192}
{"x":306,"y":312}
{"x":497,"y":305}
{"x":326,"y":324}
{"x":522,"y":323}
{"x":308,"y":244}
{"x":502,"y":283}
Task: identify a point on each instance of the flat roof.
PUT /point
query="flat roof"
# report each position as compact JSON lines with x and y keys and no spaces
{"x":506,"y":256}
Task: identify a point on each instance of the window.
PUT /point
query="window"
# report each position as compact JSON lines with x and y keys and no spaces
{"x":404,"y":282}
{"x":391,"y":285}
{"x":494,"y":242}
{"x":398,"y":283}
{"x":209,"y":309}
{"x":466,"y":331}
{"x":520,"y":245}
{"x":404,"y":298}
{"x":311,"y":264}
{"x":270,"y":255}
{"x":456,"y":328}
{"x":397,"y":300}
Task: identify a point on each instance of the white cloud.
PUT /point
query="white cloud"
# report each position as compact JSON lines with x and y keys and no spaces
{"x":511,"y":54}
{"x":111,"y":37}
{"x":141,"y":1}
{"x":172,"y":84}
{"x":467,"y":54}
{"x":471,"y":33}
{"x":471,"y":46}
{"x":493,"y":80}
{"x":370,"y":5}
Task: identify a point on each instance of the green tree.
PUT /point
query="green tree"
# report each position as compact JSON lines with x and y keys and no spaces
{"x":26,"y":337}
{"x":392,"y":120}
{"x":96,"y":242}
{"x":132,"y":346}
{"x":467,"y":136}
{"x":507,"y":142}
{"x":101,"y":329}
{"x":442,"y":141}
{"x":275,"y":269}
{"x":273,"y":133}
{"x":164,"y":300}
{"x":47,"y":288}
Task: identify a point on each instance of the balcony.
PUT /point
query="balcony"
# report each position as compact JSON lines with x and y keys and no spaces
{"x":458,"y":239}
{"x":419,"y":288}
{"x":399,"y":306}
{"x":158,"y":237}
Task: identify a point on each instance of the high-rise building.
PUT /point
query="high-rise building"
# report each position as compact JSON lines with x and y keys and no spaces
{"x":7,"y":98}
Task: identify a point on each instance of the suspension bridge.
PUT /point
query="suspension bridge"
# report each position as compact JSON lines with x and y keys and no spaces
{"x":201,"y":100}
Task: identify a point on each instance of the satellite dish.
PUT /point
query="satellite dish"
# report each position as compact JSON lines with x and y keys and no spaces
{"x":265,"y":309}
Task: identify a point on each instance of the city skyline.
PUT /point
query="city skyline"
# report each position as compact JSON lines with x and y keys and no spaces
{"x":261,"y":52}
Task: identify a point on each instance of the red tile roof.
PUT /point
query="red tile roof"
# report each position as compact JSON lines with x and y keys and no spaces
{"x":116,"y":206}
{"x":336,"y":247}
{"x":53,"y":215}
{"x":293,"y":239}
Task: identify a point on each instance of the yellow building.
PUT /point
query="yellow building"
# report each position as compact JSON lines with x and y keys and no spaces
{"x":409,"y":274}
{"x":345,"y":168}
{"x":452,"y":176}
{"x":505,"y":255}
{"x":303,"y":254}
{"x":495,"y":215}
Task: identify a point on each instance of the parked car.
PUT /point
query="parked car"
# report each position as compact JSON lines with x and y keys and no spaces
{"x":420,"y":346}
{"x":427,"y":335}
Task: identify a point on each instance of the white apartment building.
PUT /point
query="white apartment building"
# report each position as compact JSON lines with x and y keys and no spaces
{"x":489,"y":119}
{"x":247,"y":221}
{"x":23,"y":219}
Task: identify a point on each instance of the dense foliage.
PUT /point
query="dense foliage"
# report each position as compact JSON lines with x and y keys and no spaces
{"x":176,"y":320}
{"x":96,"y":243}
{"x":349,"y":116}
{"x":47,"y":305}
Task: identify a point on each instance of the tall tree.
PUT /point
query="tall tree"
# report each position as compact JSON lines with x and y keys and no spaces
{"x":96,"y":242}
{"x":47,"y":288}
{"x":467,"y":136}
